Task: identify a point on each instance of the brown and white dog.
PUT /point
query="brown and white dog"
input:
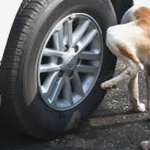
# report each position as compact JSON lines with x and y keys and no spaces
{"x":130,"y":42}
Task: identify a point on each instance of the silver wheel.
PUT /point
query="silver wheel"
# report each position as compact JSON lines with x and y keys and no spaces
{"x":70,"y":61}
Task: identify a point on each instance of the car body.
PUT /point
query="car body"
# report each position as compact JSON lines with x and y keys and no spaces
{"x":8,"y":11}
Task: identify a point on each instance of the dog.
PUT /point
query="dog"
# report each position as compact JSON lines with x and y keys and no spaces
{"x":130,"y":41}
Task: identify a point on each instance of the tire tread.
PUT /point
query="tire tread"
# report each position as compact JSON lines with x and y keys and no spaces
{"x":25,"y":20}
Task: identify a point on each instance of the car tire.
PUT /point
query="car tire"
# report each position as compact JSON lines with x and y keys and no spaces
{"x":22,"y":102}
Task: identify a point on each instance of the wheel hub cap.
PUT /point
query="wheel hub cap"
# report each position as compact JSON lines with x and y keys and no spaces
{"x":70,"y":61}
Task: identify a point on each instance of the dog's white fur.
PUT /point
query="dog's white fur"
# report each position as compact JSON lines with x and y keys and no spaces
{"x":130,"y":42}
{"x":145,"y":145}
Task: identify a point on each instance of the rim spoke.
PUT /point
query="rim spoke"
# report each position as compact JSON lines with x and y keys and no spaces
{"x":77,"y":84}
{"x":50,"y":52}
{"x":89,"y":56}
{"x":80,"y":30}
{"x":57,"y":90}
{"x":87,"y":69}
{"x":87,"y":39}
{"x":68,"y":90}
{"x":49,"y":68}
{"x":69,"y":31}
{"x":49,"y":84}
{"x":58,"y":39}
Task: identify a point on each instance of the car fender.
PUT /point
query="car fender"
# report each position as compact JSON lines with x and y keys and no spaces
{"x":8,"y":11}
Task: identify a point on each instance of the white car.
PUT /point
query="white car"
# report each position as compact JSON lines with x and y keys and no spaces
{"x":53,"y":59}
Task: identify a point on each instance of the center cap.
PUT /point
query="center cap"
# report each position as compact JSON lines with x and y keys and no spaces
{"x":72,"y":62}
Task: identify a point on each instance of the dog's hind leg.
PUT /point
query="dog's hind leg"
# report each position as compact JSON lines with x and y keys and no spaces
{"x":130,"y":60}
{"x":122,"y":48}
{"x":126,"y":76}
{"x":134,"y":95}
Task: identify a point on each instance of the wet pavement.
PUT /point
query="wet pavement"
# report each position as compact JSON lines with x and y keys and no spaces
{"x":112,"y":127}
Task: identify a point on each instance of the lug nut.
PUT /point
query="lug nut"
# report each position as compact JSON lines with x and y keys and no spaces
{"x":76,"y":48}
{"x":66,"y":47}
{"x":59,"y":61}
{"x":60,"y":74}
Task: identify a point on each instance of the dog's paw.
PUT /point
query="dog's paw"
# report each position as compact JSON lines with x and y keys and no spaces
{"x":104,"y":86}
{"x":145,"y":145}
{"x":140,"y":108}
{"x":107,"y":86}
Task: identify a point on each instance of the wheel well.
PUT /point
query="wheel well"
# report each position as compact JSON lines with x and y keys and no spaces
{"x":121,"y":6}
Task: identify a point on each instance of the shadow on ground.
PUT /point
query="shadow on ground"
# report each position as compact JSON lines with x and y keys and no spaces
{"x":122,"y":131}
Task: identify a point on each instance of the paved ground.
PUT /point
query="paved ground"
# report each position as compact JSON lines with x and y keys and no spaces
{"x":112,"y":127}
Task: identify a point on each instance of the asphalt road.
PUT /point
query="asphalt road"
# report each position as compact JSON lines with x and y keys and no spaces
{"x":112,"y":127}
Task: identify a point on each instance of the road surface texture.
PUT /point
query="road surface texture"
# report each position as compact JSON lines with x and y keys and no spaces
{"x":112,"y":127}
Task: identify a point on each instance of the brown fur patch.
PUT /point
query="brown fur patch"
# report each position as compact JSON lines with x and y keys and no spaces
{"x":144,"y":23}
{"x":142,"y":12}
{"x":143,"y":52}
{"x":143,"y":20}
{"x":142,"y":16}
{"x":126,"y":51}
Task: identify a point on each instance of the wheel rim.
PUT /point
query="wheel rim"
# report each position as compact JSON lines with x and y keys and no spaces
{"x":70,"y":61}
